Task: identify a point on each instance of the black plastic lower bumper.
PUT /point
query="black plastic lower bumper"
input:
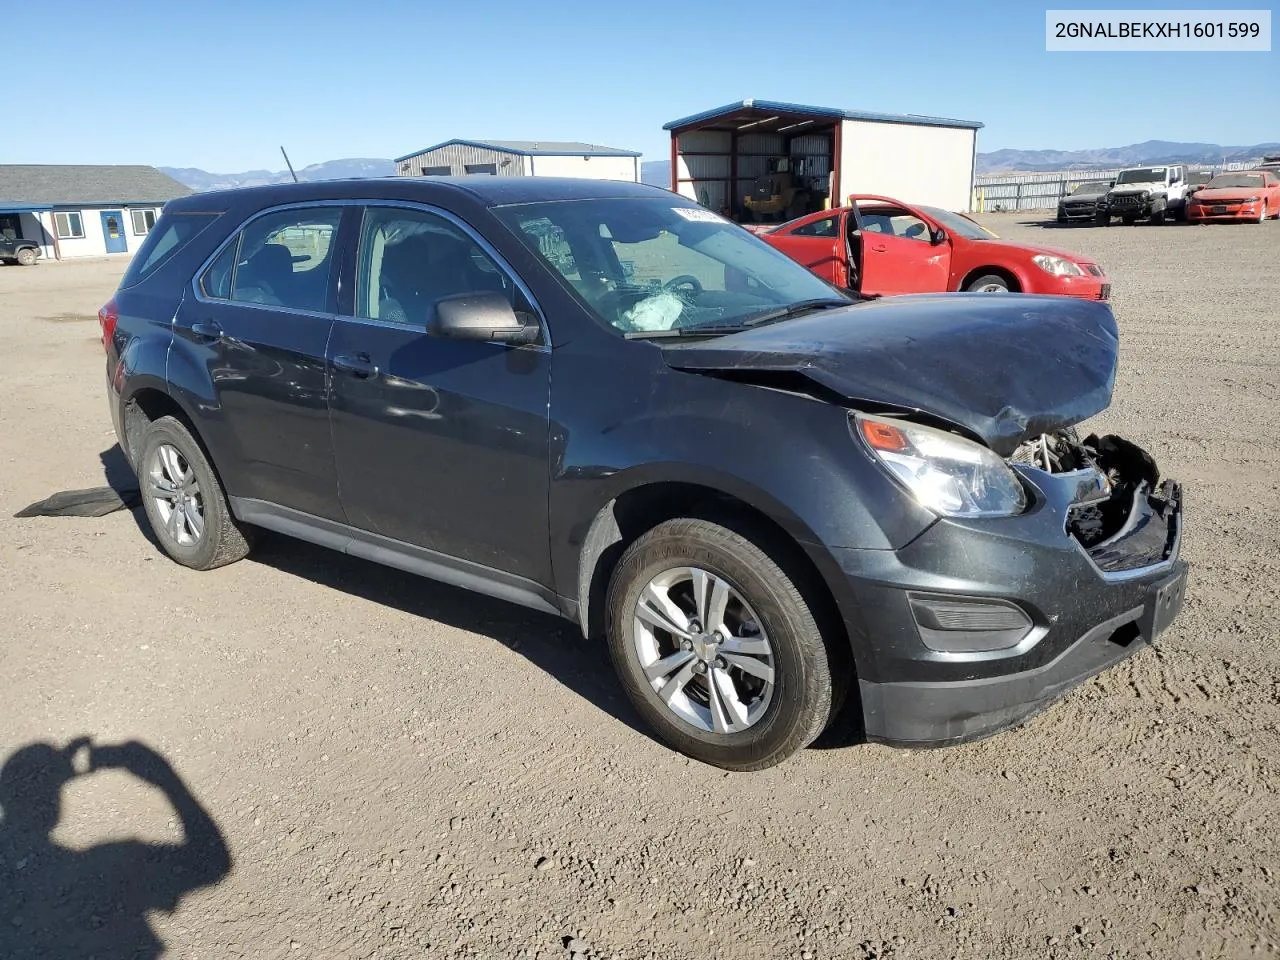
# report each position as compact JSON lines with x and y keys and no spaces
{"x":941,"y":713}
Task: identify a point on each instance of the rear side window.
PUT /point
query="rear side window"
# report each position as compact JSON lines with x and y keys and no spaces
{"x":171,"y":233}
{"x":282,"y":259}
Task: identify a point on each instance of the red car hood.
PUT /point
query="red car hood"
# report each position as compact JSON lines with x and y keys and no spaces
{"x":1030,"y":251}
{"x":1228,"y":193}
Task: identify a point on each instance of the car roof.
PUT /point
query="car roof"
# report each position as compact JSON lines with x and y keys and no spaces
{"x":488,"y":190}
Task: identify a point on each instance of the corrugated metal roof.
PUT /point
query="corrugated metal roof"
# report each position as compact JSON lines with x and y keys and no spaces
{"x":800,"y":109}
{"x":533,"y":148}
{"x":69,"y":184}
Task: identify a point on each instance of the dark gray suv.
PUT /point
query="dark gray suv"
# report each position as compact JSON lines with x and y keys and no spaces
{"x":604,"y":401}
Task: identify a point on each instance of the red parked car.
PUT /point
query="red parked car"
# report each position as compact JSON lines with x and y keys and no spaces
{"x":1253,"y":196}
{"x":881,"y":247}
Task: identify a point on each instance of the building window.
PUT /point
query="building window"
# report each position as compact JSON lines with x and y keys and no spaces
{"x":143,"y":221}
{"x":489,"y":168}
{"x":437,"y":171}
{"x":68,"y":226}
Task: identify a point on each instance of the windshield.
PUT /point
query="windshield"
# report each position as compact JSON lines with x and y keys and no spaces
{"x":1100,"y":186}
{"x":1199,"y":176}
{"x":1145,"y":175}
{"x":959,"y":224}
{"x":646,"y":266}
{"x":1235,"y":180}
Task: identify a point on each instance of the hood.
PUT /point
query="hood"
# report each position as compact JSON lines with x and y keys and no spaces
{"x":1003,"y":367}
{"x":1029,"y":250}
{"x":1229,"y":193}
{"x":1084,"y":197}
{"x":1151,"y":185}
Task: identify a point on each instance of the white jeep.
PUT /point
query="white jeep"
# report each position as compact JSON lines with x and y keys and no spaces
{"x":1154,"y":193}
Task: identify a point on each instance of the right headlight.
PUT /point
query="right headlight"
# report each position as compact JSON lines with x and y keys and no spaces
{"x":945,"y":473}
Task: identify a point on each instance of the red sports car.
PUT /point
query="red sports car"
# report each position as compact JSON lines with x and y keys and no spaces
{"x":881,"y":247}
{"x":1253,"y":195}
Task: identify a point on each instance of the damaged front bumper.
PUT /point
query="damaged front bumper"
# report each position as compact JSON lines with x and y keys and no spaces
{"x":977,"y":625}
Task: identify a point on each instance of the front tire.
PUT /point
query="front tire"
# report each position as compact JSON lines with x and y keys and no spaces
{"x":717,"y":648}
{"x":991,"y":283}
{"x":26,"y":257}
{"x":1262,"y":214}
{"x":184,"y":501}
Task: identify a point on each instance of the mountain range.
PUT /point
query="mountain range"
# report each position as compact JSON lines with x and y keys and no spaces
{"x":658,"y":172}
{"x":201,"y":180}
{"x":1135,"y":155}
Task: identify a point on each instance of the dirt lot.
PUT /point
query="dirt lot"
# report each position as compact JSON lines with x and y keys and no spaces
{"x":400,"y":769}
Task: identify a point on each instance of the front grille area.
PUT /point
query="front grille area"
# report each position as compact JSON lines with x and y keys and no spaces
{"x":1094,"y":269}
{"x":1127,"y":200}
{"x":1133,"y":529}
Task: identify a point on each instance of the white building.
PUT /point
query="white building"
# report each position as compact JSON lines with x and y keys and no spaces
{"x":717,"y":155}
{"x":521,"y":158}
{"x":79,"y":210}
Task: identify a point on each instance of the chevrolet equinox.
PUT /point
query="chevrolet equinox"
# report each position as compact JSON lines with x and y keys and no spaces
{"x":604,"y":401}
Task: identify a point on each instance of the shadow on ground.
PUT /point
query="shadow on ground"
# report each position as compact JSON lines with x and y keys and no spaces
{"x":548,"y":642}
{"x":83,"y":904}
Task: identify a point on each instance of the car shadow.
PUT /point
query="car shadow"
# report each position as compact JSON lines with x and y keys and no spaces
{"x":78,"y":904}
{"x":121,"y":478}
{"x":552,"y":644}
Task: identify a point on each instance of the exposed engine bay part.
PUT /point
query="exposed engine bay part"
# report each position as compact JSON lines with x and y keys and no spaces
{"x":1112,"y":520}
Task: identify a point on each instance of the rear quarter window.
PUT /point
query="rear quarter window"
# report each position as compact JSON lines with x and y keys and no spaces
{"x":172,"y":232}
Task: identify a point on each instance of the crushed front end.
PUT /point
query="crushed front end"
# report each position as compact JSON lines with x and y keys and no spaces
{"x":979,"y":624}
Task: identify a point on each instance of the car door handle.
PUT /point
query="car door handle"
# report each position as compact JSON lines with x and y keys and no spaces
{"x":880,"y":247}
{"x":207,"y":330}
{"x":358,"y":366}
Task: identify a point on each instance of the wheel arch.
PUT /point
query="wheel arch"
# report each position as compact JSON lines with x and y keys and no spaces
{"x":145,"y":403}
{"x":1016,"y":281}
{"x":638,"y":508}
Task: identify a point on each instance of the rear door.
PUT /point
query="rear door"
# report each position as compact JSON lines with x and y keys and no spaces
{"x":440,"y":443}
{"x":818,"y":243}
{"x":253,"y":332}
{"x":897,"y":253}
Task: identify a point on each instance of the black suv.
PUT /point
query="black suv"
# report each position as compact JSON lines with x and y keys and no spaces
{"x":604,"y":401}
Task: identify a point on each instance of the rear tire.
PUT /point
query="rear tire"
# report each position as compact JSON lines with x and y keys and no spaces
{"x":753,"y":722}
{"x":26,"y":257}
{"x":184,"y":501}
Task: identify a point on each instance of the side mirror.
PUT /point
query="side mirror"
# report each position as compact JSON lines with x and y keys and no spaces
{"x":483,"y":316}
{"x":938,"y":236}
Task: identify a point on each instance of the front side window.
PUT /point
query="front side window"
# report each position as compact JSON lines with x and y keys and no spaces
{"x":643,"y":265}
{"x":68,"y":226}
{"x":826,"y":227}
{"x":143,"y":221}
{"x":282,"y":260}
{"x":409,"y":260}
{"x":894,"y":222}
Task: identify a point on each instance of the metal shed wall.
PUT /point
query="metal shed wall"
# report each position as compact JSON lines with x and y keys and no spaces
{"x":915,"y":164}
{"x":457,"y":156}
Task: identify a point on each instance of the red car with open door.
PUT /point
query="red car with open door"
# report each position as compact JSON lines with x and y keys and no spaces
{"x":882,"y":247}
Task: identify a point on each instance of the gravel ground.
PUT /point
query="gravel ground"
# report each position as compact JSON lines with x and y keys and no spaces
{"x":400,"y":769}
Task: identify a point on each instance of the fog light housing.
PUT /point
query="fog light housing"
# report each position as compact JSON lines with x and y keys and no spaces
{"x":950,"y":624}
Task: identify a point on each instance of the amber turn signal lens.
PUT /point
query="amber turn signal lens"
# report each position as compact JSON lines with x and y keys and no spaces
{"x":884,"y":436}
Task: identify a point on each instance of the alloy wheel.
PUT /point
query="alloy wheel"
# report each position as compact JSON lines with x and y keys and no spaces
{"x":173,"y":487}
{"x":703,"y":650}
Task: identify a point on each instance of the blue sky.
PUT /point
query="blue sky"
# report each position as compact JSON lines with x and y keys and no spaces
{"x":222,"y":85}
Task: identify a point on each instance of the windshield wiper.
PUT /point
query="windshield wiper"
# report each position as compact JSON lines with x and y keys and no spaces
{"x":801,"y":306}
{"x":797,"y":308}
{"x":707,"y":331}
